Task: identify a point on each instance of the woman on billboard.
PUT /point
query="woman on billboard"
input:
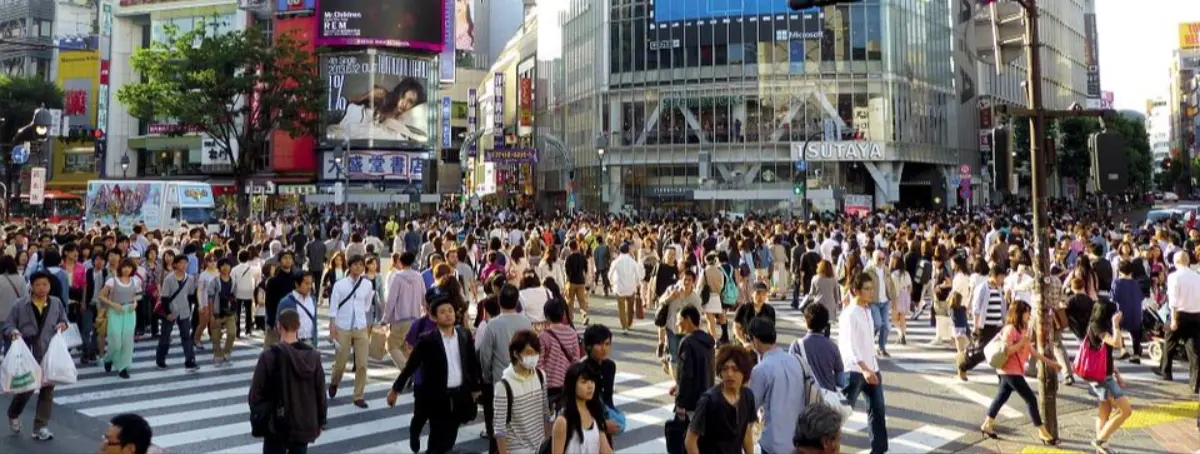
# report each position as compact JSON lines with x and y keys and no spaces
{"x":464,"y":28}
{"x":396,"y":114}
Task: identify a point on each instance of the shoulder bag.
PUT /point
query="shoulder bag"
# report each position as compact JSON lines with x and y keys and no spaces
{"x":163,"y":307}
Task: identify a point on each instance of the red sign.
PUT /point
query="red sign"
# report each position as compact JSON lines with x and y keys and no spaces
{"x":75,"y":103}
{"x":526,"y":101}
{"x":104,"y":65}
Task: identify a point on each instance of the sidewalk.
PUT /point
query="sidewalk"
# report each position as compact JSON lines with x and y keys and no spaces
{"x":1163,"y":426}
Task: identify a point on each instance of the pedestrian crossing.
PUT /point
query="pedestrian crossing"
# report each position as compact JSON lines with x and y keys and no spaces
{"x":207,"y":410}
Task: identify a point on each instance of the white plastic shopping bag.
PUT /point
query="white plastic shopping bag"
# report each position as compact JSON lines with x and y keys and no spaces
{"x":58,"y":367}
{"x":72,"y":336}
{"x":20,"y":373}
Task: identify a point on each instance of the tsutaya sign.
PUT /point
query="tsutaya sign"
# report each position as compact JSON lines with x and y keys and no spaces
{"x":840,"y":151}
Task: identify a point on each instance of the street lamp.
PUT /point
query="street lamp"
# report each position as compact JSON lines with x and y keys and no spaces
{"x":124,"y":165}
{"x":41,"y":122}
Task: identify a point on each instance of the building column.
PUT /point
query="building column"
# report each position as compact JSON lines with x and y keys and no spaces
{"x":615,"y":190}
{"x":887,"y":181}
{"x":951,"y":195}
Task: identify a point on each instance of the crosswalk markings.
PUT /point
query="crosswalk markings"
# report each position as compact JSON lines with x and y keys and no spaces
{"x":926,"y":438}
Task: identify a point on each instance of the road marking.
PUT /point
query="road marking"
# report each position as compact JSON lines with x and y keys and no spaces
{"x":923,"y":439}
{"x":958,"y":387}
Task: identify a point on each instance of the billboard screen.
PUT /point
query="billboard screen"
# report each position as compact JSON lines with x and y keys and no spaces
{"x":412,"y":24}
{"x":380,"y":99}
{"x":680,"y":10}
{"x":294,"y":6}
{"x":464,"y":25}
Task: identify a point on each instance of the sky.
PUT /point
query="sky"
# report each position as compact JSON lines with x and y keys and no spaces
{"x":1137,"y":38}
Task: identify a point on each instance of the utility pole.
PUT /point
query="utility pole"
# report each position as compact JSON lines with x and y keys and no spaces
{"x":1006,"y":41}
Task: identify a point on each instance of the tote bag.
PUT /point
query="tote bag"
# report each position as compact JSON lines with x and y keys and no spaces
{"x":1091,"y":363}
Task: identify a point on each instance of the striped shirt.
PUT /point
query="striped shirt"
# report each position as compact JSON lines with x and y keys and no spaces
{"x":526,"y":430}
{"x":995,"y":308}
{"x":560,"y":349}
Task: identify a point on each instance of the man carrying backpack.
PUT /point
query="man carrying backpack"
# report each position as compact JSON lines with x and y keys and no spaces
{"x":288,"y":376}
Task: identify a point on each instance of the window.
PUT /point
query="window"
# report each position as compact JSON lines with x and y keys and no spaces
{"x":43,"y":28}
{"x":84,"y":162}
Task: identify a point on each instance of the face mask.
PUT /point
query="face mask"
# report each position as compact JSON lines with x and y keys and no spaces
{"x":529,"y":362}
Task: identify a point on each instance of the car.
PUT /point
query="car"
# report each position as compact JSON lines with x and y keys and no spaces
{"x":1170,"y":197}
{"x":1155,"y":216}
{"x":1189,"y":208}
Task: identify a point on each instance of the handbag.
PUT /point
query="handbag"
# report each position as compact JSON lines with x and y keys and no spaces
{"x":674,"y":433}
{"x":995,"y":352}
{"x":613,"y":414}
{"x":1091,"y":363}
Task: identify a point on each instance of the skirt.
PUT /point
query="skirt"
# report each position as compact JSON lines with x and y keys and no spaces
{"x":903,"y":304}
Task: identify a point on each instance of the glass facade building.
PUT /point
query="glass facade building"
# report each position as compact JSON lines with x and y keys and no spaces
{"x":710,"y":106}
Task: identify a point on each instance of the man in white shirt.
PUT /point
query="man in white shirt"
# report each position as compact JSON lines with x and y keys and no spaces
{"x":350,"y":302}
{"x":245,"y":280}
{"x":1183,"y":298}
{"x":301,"y":300}
{"x":625,"y":274}
{"x":856,"y":345}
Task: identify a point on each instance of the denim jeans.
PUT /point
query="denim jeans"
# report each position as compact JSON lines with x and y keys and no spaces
{"x":1017,"y":383}
{"x":185,"y":337}
{"x":876,"y":417}
{"x":881,"y":314}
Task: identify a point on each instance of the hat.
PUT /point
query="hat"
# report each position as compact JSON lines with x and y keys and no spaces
{"x":761,"y":287}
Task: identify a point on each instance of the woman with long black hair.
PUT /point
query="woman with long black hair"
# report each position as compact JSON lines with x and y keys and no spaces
{"x":1104,"y":330}
{"x":579,"y":427}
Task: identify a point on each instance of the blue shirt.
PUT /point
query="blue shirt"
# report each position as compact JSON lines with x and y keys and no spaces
{"x":773,"y":383}
{"x":427,"y":275}
{"x":193,"y":265}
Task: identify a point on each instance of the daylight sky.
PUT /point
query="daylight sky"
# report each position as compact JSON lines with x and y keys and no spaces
{"x":1136,"y":41}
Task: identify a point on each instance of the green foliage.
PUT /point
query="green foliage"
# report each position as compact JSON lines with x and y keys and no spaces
{"x":19,"y":97}
{"x":237,"y":87}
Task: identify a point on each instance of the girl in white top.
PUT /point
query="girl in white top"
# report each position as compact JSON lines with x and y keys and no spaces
{"x":902,"y":307}
{"x":552,"y":266}
{"x":533,"y":300}
{"x":577,"y":428}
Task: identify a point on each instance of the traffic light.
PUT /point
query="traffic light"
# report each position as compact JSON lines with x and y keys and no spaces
{"x":797,"y":5}
{"x":1166,"y":164}
{"x":798,"y":189}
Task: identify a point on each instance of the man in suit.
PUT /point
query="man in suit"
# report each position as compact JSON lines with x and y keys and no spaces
{"x":450,"y":381}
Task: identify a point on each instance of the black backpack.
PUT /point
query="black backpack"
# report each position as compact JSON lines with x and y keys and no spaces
{"x":924,"y":272}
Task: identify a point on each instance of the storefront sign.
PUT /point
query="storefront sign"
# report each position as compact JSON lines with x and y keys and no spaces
{"x":446,"y":134}
{"x":858,"y":204}
{"x":167,"y":128}
{"x":498,"y":109}
{"x":472,"y":119}
{"x":297,"y":189}
{"x":840,"y":151}
{"x":513,"y":156}
{"x":373,"y":165}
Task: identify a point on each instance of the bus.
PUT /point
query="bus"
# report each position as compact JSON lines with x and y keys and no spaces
{"x":58,"y":207}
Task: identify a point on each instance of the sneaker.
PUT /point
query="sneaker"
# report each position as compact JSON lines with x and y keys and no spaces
{"x":124,"y":374}
{"x":43,"y":434}
{"x":161,"y":366}
{"x":191,"y":367}
{"x":14,"y":425}
{"x":107,"y":367}
{"x":884,"y":354}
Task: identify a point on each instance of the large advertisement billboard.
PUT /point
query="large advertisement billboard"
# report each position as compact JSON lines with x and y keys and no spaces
{"x":286,"y":7}
{"x":679,"y":10}
{"x":411,"y":24}
{"x":79,"y":78}
{"x":1091,"y":57}
{"x":803,"y":27}
{"x":380,"y":99}
{"x":464,"y":25}
{"x":1189,"y":35}
{"x":448,"y":63}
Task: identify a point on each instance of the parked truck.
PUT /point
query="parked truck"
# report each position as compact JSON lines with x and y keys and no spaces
{"x":160,"y":205}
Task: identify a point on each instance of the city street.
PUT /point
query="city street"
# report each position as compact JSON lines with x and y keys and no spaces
{"x":928,"y":409}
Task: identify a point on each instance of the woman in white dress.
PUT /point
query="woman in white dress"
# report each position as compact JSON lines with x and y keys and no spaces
{"x":396,"y":114}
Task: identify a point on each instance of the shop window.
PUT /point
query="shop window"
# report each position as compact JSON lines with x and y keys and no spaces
{"x":84,"y":162}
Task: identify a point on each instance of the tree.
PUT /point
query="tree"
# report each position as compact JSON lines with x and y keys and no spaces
{"x":235,"y":87}
{"x":19,"y":97}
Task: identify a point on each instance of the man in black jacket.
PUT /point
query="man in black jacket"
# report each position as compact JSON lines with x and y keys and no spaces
{"x":279,"y":286}
{"x":305,"y":403}
{"x":448,"y":399}
{"x":696,"y":352}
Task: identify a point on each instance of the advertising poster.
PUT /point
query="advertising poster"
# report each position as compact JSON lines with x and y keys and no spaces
{"x":294,"y":6}
{"x":513,"y":156}
{"x":1189,"y":35}
{"x":448,"y":63}
{"x":446,"y":134}
{"x":381,"y":99}
{"x":195,"y":195}
{"x":472,"y":119}
{"x":124,"y":204}
{"x":412,"y":24}
{"x":79,"y":78}
{"x":37,"y":186}
{"x":1091,"y":57}
{"x":464,"y":25}
{"x":498,"y":110}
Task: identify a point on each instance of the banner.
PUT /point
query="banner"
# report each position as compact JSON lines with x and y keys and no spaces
{"x":858,"y":204}
{"x":446,"y":134}
{"x":447,"y":60}
{"x":525,"y":98}
{"x":1091,"y":57}
{"x":37,"y":185}
{"x":412,"y":24}
{"x":472,"y":119}
{"x":464,"y":25}
{"x":381,"y":99}
{"x":512,"y":156}
{"x":373,"y":165}
{"x":498,"y":109}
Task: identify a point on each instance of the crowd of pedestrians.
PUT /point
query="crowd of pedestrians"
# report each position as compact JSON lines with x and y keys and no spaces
{"x":492,"y":313}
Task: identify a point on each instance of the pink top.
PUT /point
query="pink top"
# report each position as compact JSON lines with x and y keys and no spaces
{"x":78,"y":276}
{"x":1016,"y":360}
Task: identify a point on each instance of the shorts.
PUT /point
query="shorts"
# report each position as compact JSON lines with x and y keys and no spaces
{"x":1108,"y":389}
{"x":713,"y":306}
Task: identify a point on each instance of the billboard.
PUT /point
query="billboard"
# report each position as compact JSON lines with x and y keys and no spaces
{"x":1189,"y":35}
{"x":413,"y":24}
{"x":379,"y":98}
{"x":464,"y":25}
{"x":498,"y":109}
{"x":125,"y":203}
{"x":472,"y":118}
{"x":79,"y":78}
{"x":679,"y":10}
{"x":295,"y":6}
{"x":374,"y":165}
